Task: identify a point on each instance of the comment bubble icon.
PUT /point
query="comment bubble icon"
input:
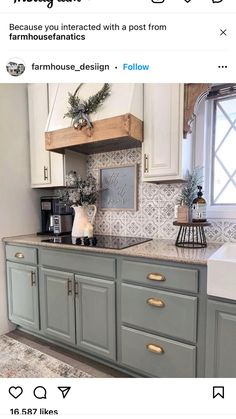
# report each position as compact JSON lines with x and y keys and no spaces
{"x":40,"y":392}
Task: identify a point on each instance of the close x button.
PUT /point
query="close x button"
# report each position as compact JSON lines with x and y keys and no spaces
{"x":223,"y":32}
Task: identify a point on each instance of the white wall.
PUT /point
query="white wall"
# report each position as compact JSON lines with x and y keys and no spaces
{"x":19,"y":204}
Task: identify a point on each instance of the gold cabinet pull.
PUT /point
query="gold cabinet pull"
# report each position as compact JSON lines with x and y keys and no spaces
{"x":156,"y":349}
{"x":69,"y":287}
{"x":155,"y":302}
{"x":156,"y":277}
{"x":76,"y":288}
{"x":33,"y":278}
{"x":19,"y":255}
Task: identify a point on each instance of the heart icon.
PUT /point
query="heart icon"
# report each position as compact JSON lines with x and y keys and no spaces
{"x":15,"y":391}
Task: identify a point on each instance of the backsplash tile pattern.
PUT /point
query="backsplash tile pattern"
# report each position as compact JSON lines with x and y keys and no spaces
{"x":155,"y":215}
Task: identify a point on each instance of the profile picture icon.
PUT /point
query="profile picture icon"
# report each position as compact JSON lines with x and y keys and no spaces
{"x":15,"y":67}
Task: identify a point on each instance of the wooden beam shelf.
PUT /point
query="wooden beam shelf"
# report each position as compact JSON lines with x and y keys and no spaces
{"x":116,"y":133}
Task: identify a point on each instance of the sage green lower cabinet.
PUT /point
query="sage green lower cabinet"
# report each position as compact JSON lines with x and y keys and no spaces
{"x":95,"y":315}
{"x":221,"y":339}
{"x":57,"y":305}
{"x":23,"y":298}
{"x":144,"y":316}
{"x":159,"y":311}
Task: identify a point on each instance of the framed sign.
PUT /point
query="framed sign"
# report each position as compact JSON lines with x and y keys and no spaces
{"x":119,"y":188}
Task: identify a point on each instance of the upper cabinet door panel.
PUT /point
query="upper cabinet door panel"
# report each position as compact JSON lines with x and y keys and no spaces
{"x":47,"y":168}
{"x":38,"y":113}
{"x":163,"y":131}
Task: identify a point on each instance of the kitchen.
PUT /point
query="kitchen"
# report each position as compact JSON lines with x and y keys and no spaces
{"x":138,"y":261}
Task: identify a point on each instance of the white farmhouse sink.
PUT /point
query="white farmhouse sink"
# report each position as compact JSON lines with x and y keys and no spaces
{"x":221,"y":274}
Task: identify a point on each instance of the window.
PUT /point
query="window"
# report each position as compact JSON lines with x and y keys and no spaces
{"x":224,"y":152}
{"x":218,"y":156}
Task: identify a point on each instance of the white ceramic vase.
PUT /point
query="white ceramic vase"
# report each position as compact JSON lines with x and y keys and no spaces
{"x":82,"y":227}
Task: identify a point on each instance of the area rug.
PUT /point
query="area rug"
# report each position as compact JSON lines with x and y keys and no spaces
{"x":18,"y":360}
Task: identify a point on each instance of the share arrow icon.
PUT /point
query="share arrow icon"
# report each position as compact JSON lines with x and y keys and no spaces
{"x":64,"y":391}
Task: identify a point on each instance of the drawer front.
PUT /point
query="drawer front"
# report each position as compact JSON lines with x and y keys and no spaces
{"x":159,"y":311}
{"x":85,"y":264}
{"x":21,"y":254}
{"x":160,"y":275}
{"x":156,"y":356}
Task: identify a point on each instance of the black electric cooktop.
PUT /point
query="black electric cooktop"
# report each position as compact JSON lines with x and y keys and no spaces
{"x":106,"y":242}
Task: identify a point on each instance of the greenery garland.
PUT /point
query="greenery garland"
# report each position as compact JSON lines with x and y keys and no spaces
{"x":80,"y":109}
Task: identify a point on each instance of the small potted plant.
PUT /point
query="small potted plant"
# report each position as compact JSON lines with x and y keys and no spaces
{"x":189,"y":192}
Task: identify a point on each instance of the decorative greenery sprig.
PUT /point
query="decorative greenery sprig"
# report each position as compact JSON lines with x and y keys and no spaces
{"x":80,"y":109}
{"x":189,"y":191}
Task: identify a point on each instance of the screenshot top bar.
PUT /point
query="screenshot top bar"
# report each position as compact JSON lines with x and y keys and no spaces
{"x":119,"y":6}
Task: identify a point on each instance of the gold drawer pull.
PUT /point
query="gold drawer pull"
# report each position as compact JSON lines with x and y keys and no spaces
{"x":19,"y":255}
{"x":151,"y":347}
{"x":155,"y":302}
{"x":156,"y":277}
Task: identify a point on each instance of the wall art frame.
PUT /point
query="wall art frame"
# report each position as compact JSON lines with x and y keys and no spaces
{"x":119,"y":188}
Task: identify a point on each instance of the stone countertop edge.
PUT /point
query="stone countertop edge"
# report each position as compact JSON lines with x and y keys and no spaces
{"x":157,"y":249}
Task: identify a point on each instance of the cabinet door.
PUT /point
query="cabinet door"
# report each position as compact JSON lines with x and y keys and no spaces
{"x":163,"y":132}
{"x":47,"y":169}
{"x":95,"y":315}
{"x":38,"y":114}
{"x":221,"y":340}
{"x":56,"y":159}
{"x":23,"y":302}
{"x":57,"y":305}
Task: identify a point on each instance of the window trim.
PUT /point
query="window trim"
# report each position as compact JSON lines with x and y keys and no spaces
{"x":217,"y":210}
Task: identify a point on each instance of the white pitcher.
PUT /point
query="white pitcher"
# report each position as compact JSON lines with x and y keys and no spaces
{"x":82,"y":227}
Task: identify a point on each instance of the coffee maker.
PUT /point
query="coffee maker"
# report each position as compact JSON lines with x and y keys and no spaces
{"x":56,"y":216}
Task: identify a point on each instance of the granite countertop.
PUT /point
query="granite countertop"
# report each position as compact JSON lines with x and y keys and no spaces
{"x":155,"y":249}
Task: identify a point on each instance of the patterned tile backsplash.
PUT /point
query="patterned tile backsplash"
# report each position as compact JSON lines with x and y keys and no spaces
{"x":155,"y":215}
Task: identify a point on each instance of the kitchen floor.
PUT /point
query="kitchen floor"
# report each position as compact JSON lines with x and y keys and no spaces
{"x":89,"y":366}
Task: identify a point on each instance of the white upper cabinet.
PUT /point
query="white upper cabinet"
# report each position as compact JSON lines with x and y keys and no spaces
{"x":164,"y":150}
{"x":48,"y":169}
{"x":38,"y":114}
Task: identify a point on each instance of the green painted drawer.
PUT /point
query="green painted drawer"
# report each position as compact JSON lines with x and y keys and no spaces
{"x":21,"y":254}
{"x":159,"y":311}
{"x":177,"y":360}
{"x":160,"y":275}
{"x":75,"y":261}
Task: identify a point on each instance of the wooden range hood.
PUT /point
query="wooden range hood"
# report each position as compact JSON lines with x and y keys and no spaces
{"x":109,"y":134}
{"x":117,"y":125}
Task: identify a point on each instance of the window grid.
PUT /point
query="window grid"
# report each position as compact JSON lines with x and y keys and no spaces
{"x":222,"y":162}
